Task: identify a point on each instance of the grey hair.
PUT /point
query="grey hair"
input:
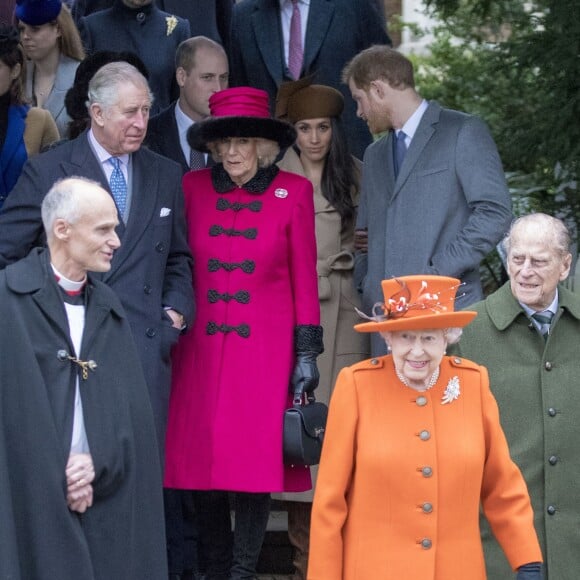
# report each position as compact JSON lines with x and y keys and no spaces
{"x":452,"y":335}
{"x":551,"y":227}
{"x":105,"y":84}
{"x":62,"y":201}
{"x":266,"y":149}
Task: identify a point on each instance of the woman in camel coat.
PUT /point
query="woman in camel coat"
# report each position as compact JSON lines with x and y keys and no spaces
{"x":413,"y":447}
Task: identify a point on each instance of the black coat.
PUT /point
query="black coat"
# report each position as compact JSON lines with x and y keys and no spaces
{"x":151,"y":269}
{"x":146,"y":33}
{"x":122,"y":535}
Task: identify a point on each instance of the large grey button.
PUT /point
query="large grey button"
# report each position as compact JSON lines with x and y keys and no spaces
{"x":374,"y":361}
{"x":553,"y":459}
{"x":421,"y":401}
{"x":150,"y":332}
{"x":552,"y":412}
{"x":426,"y":543}
{"x":427,"y":507}
{"x":548,"y":365}
{"x":425,"y":435}
{"x":427,"y":471}
{"x":551,"y":510}
{"x":62,"y":355}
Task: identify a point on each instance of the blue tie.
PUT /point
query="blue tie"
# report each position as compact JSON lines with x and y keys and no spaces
{"x":118,"y":185}
{"x":400,"y":152}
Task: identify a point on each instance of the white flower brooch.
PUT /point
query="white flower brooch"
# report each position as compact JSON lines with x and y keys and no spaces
{"x":452,"y":391}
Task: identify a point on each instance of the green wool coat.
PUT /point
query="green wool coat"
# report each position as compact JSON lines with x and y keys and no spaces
{"x":537,"y":387}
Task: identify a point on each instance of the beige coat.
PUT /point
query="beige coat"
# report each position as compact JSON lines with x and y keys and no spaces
{"x":40,"y":131}
{"x":343,"y":346}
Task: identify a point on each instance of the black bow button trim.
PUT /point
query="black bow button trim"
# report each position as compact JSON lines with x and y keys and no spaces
{"x":242,"y":296}
{"x":243,"y":330}
{"x":247,"y":266}
{"x":223,"y":205}
{"x":250,"y":233}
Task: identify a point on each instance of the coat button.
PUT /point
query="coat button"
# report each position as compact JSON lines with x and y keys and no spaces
{"x":426,"y":543}
{"x":553,"y":459}
{"x":140,"y":17}
{"x":147,"y":289}
{"x":552,"y":412}
{"x":160,"y":247}
{"x":425,"y":435}
{"x":427,"y":471}
{"x":62,"y":355}
{"x":375,"y":361}
{"x":551,"y":510}
{"x":427,"y":507}
{"x":457,"y":360}
{"x":421,"y":401}
{"x":548,"y":365}
{"x":150,"y":332}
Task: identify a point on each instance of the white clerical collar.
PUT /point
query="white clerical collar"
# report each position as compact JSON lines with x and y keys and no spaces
{"x":69,"y":286}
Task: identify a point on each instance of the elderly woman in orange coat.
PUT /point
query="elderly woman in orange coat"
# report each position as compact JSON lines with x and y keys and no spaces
{"x":413,"y":447}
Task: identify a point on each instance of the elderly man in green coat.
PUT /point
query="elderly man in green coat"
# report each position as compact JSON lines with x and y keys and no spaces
{"x":528,"y":336}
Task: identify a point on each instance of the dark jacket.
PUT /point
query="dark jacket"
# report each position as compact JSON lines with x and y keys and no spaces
{"x":121,"y":535}
{"x":151,"y":269}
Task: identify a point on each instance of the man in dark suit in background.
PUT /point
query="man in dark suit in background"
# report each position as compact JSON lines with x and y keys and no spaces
{"x":201,"y":70}
{"x":332,"y":32}
{"x":139,"y":26}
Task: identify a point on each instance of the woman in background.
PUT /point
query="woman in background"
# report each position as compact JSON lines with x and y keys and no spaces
{"x":24,"y":131}
{"x":321,"y":154}
{"x":53,"y":47}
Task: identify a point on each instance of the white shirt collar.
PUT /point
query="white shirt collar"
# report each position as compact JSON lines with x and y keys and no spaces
{"x":410,"y":127}
{"x":553,"y":308}
{"x":102,"y":154}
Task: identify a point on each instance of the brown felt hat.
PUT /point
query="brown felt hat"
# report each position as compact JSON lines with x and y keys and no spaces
{"x":298,"y":100}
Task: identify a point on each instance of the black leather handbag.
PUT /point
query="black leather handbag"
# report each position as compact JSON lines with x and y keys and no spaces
{"x":304,"y":427}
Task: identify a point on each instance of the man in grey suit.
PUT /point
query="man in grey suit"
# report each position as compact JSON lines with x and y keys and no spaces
{"x":434,"y":196}
{"x":333,"y":31}
{"x":151,"y":273}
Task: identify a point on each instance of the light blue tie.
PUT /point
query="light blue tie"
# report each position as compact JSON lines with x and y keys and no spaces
{"x":118,"y":185}
{"x":400,"y":152}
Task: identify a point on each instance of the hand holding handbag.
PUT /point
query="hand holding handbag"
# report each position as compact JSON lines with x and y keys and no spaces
{"x":304,"y":426}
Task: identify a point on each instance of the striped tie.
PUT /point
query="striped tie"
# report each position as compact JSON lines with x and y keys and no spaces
{"x":544,"y":319}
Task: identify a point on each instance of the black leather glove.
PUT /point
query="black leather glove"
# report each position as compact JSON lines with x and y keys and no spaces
{"x":531,"y":571}
{"x":307,"y":346}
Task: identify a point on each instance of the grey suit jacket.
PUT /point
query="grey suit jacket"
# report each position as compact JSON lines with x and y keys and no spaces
{"x":151,"y":269}
{"x":336,"y":31}
{"x":65,"y":76}
{"x":446,"y":211}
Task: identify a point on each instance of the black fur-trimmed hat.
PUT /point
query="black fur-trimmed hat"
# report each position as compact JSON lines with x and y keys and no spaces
{"x":240,"y":112}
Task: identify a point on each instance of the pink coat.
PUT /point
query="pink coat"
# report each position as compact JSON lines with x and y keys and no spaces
{"x":254,"y":281}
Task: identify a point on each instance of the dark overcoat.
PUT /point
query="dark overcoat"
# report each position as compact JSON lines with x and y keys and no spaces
{"x":536,"y":387}
{"x":151,"y":269}
{"x":150,"y":33}
{"x":122,"y":535}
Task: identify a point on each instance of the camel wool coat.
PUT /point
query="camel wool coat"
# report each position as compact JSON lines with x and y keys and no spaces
{"x":403,"y":475}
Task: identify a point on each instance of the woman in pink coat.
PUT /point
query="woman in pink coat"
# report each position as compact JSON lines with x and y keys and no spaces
{"x":256,"y":335}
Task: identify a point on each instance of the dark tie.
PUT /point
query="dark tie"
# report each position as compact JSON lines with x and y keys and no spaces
{"x":400,"y":152}
{"x":118,"y":185}
{"x":544,"y":319}
{"x":295,"y":48}
{"x":196,"y":159}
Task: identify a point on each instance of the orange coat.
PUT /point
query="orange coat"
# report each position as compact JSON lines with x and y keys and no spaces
{"x":402,"y":477}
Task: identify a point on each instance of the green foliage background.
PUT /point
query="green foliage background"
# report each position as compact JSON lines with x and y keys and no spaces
{"x":517,"y":65}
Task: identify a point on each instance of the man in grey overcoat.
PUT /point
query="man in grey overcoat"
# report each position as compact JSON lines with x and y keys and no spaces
{"x":534,"y":365}
{"x":434,"y":196}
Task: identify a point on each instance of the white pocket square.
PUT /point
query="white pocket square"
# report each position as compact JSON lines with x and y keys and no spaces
{"x":165,"y":211}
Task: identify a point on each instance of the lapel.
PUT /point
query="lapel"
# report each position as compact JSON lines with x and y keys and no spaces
{"x":82,"y":161}
{"x":145,"y":190}
{"x":172,"y":140}
{"x":267,"y":31}
{"x":319,"y":20}
{"x":425,"y":130}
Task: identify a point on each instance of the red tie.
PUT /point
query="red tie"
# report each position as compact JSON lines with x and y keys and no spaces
{"x":295,"y":49}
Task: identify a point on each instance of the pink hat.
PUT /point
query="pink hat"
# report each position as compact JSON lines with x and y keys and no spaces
{"x":240,"y":112}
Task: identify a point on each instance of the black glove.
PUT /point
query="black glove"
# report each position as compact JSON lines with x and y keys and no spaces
{"x":307,"y":346}
{"x":531,"y":571}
